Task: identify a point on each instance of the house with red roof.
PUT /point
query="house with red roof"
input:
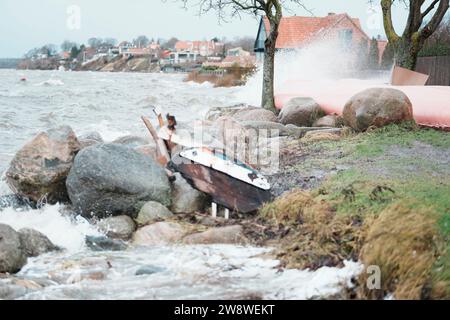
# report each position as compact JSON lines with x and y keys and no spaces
{"x":297,"y":32}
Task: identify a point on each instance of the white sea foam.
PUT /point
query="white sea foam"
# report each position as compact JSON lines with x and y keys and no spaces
{"x":65,"y":231}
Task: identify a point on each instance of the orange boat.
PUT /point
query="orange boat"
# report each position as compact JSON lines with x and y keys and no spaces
{"x":431,"y":104}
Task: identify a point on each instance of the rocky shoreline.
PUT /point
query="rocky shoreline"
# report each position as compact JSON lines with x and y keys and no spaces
{"x":121,"y":189}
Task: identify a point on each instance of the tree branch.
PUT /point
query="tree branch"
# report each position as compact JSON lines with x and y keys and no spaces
{"x":386,"y":6}
{"x":431,"y":26}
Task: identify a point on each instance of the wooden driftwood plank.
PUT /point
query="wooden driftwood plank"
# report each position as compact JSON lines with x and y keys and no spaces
{"x":163,"y":153}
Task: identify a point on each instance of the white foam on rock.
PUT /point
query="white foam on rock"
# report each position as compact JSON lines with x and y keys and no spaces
{"x":63,"y":230}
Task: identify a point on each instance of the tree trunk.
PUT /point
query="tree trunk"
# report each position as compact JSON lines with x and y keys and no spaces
{"x":268,"y":99}
{"x":406,"y":52}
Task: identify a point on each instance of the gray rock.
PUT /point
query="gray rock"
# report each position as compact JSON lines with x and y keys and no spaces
{"x":12,"y":255}
{"x":39,"y":170}
{"x":105,"y":244}
{"x":149,"y":150}
{"x":377,"y":107}
{"x":273,"y":128}
{"x":331,"y":120}
{"x":159,"y":233}
{"x":255,"y":115}
{"x":221,"y":235}
{"x":300,"y":112}
{"x":151,"y":212}
{"x":132,"y":141}
{"x":148,"y":270}
{"x":111,"y":179}
{"x":120,"y":227}
{"x":34,"y":243}
{"x":215,"y":113}
{"x":186,"y":199}
{"x":10,"y":291}
{"x":93,"y":135}
{"x":14,"y":201}
{"x":90,"y":139}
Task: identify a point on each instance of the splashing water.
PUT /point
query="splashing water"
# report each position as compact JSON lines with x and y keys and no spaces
{"x":62,"y":229}
{"x":320,"y":61}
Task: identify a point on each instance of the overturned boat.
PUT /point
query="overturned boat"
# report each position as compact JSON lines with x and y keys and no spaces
{"x":231,"y":183}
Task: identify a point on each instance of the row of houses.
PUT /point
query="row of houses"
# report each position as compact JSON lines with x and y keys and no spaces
{"x":295,"y":32}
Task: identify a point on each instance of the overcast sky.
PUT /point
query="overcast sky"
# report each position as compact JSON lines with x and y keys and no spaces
{"x":25,"y":24}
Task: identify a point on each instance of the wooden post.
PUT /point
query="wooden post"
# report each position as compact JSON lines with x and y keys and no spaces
{"x":214,"y":210}
{"x":163,"y":154}
{"x":227,"y":213}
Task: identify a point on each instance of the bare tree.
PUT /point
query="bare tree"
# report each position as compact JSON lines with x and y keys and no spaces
{"x":273,"y":10}
{"x":141,"y":41}
{"x":417,"y":31}
{"x":68,"y":45}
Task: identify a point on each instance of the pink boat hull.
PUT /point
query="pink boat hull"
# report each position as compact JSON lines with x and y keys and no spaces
{"x":431,"y":104}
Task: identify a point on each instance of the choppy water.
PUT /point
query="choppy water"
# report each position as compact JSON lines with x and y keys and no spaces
{"x":112,"y":103}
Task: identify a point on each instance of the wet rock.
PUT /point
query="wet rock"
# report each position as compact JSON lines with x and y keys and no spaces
{"x":331,"y":120}
{"x":111,"y":179}
{"x":93,"y":135}
{"x":90,"y":139}
{"x":148,"y":150}
{"x":221,"y":235}
{"x":34,"y":243}
{"x":11,"y":291}
{"x":132,"y":141}
{"x":186,"y":199}
{"x":39,"y":170}
{"x":377,"y":107}
{"x":148,"y":270}
{"x":255,"y":115}
{"x":159,"y":233}
{"x":231,"y":133}
{"x":14,"y":201}
{"x":300,"y":112}
{"x":12,"y":256}
{"x":120,"y":227}
{"x":105,"y":244}
{"x":151,"y":212}
{"x":215,"y":113}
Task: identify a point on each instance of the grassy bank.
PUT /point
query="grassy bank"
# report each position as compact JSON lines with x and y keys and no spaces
{"x":384,"y":199}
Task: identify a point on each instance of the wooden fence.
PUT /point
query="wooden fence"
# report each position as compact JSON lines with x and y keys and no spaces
{"x":437,"y":67}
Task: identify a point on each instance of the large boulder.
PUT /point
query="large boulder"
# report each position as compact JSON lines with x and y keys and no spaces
{"x":221,"y":235}
{"x":34,"y":243}
{"x":39,"y":170}
{"x":151,"y":212}
{"x":259,"y":114}
{"x":132,"y":141}
{"x":377,"y":107}
{"x":159,"y":233}
{"x":215,"y":113}
{"x":111,"y":179}
{"x":120,"y":227}
{"x":300,"y":112}
{"x":12,"y":255}
{"x":186,"y":199}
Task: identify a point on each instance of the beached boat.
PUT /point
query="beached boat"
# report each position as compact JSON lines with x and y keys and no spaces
{"x":231,"y":184}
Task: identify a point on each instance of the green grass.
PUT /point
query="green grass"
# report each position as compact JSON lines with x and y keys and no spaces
{"x":425,"y":181}
{"x":375,"y":142}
